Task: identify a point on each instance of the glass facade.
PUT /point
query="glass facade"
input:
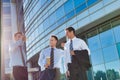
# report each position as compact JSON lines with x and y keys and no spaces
{"x":45,"y":17}
{"x":105,"y":51}
{"x":48,"y":22}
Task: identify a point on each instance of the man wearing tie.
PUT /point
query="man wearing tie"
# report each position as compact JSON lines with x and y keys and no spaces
{"x":75,"y":64}
{"x":18,"y":57}
{"x":54,"y":54}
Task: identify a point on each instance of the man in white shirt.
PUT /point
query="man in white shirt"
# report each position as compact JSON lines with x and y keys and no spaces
{"x":75,"y":71}
{"x":18,"y":57}
{"x":53,"y":65}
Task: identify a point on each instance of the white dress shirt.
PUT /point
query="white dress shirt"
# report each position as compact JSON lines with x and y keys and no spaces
{"x":58,"y":54}
{"x":15,"y":53}
{"x":78,"y":44}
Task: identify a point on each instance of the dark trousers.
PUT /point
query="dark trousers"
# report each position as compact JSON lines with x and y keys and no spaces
{"x":77,"y":72}
{"x":20,"y":73}
{"x":57,"y":75}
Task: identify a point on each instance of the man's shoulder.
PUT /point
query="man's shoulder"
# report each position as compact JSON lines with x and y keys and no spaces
{"x":79,"y":39}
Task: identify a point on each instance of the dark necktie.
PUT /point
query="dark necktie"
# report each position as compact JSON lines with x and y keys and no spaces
{"x":52,"y":58}
{"x":23,"y":60}
{"x":71,"y":45}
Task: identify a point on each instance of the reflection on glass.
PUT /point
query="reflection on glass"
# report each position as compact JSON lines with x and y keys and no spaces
{"x":97,"y":57}
{"x":117,"y":33}
{"x":99,"y":72}
{"x":107,"y":38}
{"x":52,"y":18}
{"x":113,"y":70}
{"x":78,"y":2}
{"x":90,"y":2}
{"x":60,"y":13}
{"x":94,"y":43}
{"x":110,"y":53}
{"x":68,"y":6}
{"x":81,"y":8}
{"x":118,"y":48}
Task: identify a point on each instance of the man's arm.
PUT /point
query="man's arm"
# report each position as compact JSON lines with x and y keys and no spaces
{"x":41,"y":60}
{"x":84,"y":46}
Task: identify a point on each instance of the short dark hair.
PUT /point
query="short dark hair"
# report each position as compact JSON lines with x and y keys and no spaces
{"x":71,"y":29}
{"x":63,"y":41}
{"x":17,"y":33}
{"x":54,"y":37}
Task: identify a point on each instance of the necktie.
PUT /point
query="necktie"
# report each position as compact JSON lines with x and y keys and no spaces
{"x":23,"y":60}
{"x":71,"y":45}
{"x":52,"y":58}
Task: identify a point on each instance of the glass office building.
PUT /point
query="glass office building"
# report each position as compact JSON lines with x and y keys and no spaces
{"x":95,"y":21}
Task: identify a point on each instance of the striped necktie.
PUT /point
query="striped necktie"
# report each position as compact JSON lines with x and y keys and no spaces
{"x":52,"y":58}
{"x":71,"y":45}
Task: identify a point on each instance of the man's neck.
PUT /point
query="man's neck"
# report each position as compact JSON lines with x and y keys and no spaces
{"x":72,"y":37}
{"x":53,"y":46}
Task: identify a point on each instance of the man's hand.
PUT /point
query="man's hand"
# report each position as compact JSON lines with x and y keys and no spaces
{"x":23,"y":38}
{"x":67,"y":74}
{"x":72,"y":53}
{"x":46,"y":66}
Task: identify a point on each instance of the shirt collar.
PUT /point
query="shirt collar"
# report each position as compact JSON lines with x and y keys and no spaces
{"x":73,"y":38}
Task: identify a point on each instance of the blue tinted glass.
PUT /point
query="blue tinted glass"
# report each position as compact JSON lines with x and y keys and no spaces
{"x":107,"y":38}
{"x":90,"y":2}
{"x":70,"y":15}
{"x":97,"y":57}
{"x":60,"y":13}
{"x":52,"y":18}
{"x":59,"y":22}
{"x":40,"y":28}
{"x":99,"y":72}
{"x":46,"y":23}
{"x":80,"y":8}
{"x":68,"y":6}
{"x":118,"y":48}
{"x":113,"y":70}
{"x":94,"y":43}
{"x":110,"y":53}
{"x":117,"y":33}
{"x":78,"y":2}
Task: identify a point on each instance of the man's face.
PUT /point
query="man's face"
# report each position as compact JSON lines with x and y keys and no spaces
{"x":18,"y":37}
{"x":53,"y":42}
{"x":62,"y":44}
{"x":68,"y":33}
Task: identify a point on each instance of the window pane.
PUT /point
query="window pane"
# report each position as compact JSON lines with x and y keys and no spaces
{"x":90,"y":2}
{"x":110,"y":53}
{"x":80,"y":8}
{"x":117,"y":33}
{"x":70,"y":15}
{"x":60,"y":13}
{"x":94,"y":43}
{"x":99,"y":72}
{"x":107,"y":38}
{"x":46,"y":23}
{"x":78,"y":2}
{"x":52,"y":18}
{"x":112,"y":71}
{"x":97,"y":57}
{"x":118,"y":48}
{"x":68,"y":6}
